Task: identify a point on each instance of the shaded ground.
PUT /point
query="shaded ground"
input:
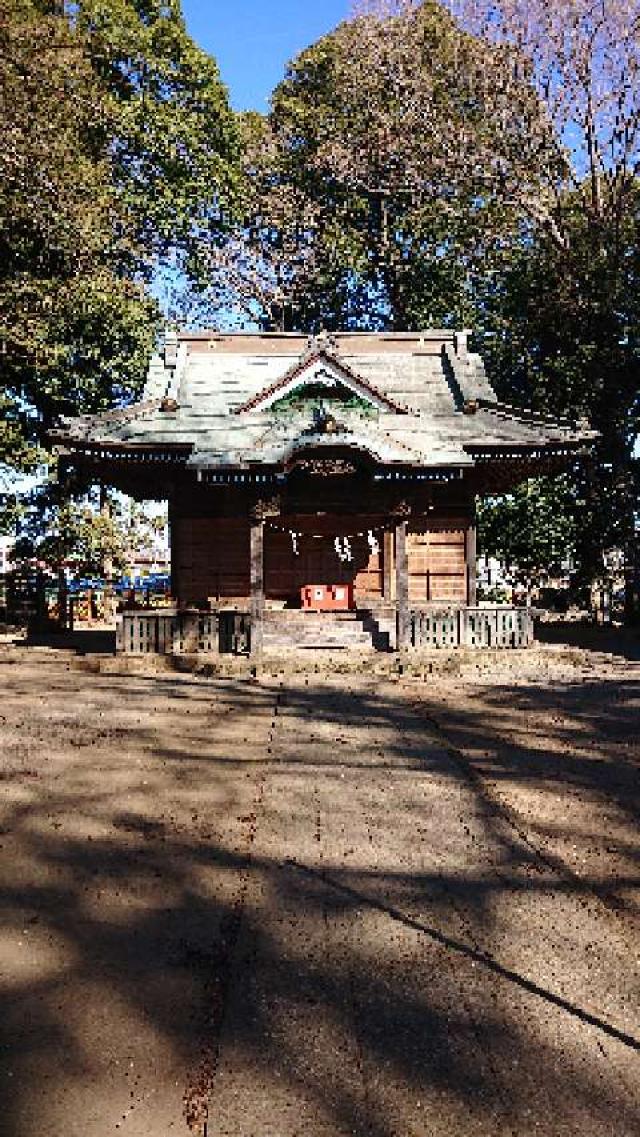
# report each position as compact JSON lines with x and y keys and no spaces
{"x":609,"y":638}
{"x":313,"y":908}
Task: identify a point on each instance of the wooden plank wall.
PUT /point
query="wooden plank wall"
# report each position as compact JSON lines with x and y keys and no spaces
{"x":317,"y":561}
{"x":437,"y":562}
{"x":211,"y":560}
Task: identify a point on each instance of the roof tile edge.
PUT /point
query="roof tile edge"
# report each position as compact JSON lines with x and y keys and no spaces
{"x":295,"y":343}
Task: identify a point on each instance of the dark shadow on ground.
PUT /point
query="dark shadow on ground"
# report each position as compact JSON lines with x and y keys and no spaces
{"x":585,"y":634}
{"x":84,"y":641}
{"x":481,"y":957}
{"x":173,"y":962}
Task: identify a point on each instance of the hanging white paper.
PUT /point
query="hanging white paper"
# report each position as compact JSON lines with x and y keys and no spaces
{"x":374,"y":544}
{"x":342,"y":546}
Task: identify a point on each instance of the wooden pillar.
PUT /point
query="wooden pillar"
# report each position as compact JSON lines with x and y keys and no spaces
{"x":176,"y":587}
{"x":256,"y":554}
{"x":190,"y":627}
{"x":387,"y":566}
{"x":470,"y":556}
{"x":108,"y":603}
{"x":63,"y":600}
{"x":260,"y":511}
{"x":402,"y":586}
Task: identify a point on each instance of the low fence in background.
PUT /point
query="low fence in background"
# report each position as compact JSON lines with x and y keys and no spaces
{"x":472,"y":627}
{"x":194,"y":631}
{"x":184,"y":632}
{"x":27,"y":597}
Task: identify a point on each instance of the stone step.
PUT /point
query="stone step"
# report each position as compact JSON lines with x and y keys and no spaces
{"x":338,"y":630}
{"x":322,"y":630}
{"x":318,"y":645}
{"x":295,"y":616}
{"x":313,"y":629}
{"x":273,"y":639}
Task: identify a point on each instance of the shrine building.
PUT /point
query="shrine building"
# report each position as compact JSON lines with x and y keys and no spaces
{"x":311,"y":478}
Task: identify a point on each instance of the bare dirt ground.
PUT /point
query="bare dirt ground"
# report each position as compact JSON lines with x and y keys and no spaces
{"x":315,"y":907}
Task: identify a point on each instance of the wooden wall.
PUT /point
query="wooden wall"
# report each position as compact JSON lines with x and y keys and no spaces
{"x":316,"y":561}
{"x":437,"y":562}
{"x":211,"y":559}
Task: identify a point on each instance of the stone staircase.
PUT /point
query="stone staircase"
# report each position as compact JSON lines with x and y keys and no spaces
{"x":333,"y":631}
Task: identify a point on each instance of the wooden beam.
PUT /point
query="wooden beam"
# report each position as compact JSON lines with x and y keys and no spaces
{"x":174,"y":560}
{"x":470,"y":557}
{"x":402,"y":586}
{"x":257,"y":586}
{"x":387,"y":566}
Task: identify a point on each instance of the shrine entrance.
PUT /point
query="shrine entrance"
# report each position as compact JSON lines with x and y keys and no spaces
{"x":316,"y":552}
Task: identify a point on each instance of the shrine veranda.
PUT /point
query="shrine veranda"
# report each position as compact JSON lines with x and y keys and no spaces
{"x":338,"y":472}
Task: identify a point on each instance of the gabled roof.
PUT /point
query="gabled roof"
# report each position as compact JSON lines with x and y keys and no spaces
{"x":430,"y":403}
{"x":320,"y":366}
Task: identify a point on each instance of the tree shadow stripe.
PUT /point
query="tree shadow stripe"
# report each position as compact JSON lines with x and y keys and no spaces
{"x":471,"y":953}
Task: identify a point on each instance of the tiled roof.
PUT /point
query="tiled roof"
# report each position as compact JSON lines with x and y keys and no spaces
{"x":431,"y":403}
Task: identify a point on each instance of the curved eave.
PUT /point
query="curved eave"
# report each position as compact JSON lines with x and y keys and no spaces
{"x":488,"y":453}
{"x":504,"y":460}
{"x":529,"y":417}
{"x":113,"y":451}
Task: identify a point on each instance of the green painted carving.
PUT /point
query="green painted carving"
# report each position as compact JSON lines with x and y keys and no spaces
{"x":305,"y":398}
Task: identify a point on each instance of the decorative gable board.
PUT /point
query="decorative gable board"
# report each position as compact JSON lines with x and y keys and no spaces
{"x":322,"y":370}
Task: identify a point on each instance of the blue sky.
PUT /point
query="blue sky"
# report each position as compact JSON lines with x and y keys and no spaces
{"x":252,"y":40}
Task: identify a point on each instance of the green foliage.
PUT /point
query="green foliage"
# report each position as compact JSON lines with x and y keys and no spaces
{"x":76,"y":345}
{"x":387,"y":172}
{"x":562,"y":334}
{"x":72,"y":533}
{"x":171,"y":137}
{"x":118,"y":150}
{"x":79,"y":533}
{"x":533,"y":530}
{"x":75,"y":333}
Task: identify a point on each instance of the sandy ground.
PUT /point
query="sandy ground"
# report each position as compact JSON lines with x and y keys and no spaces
{"x":312,"y":907}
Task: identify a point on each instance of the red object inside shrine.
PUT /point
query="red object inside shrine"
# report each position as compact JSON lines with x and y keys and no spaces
{"x":327,"y":597}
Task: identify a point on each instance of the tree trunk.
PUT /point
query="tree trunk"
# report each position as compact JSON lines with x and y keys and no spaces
{"x":63,"y":601}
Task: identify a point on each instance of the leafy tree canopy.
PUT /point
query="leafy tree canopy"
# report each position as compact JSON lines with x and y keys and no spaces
{"x":171,"y":138}
{"x":78,"y":533}
{"x":63,"y":306}
{"x":559,"y":320}
{"x":532,"y":530}
{"x":118,"y":147}
{"x":562,"y":333}
{"x":397,"y":154}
